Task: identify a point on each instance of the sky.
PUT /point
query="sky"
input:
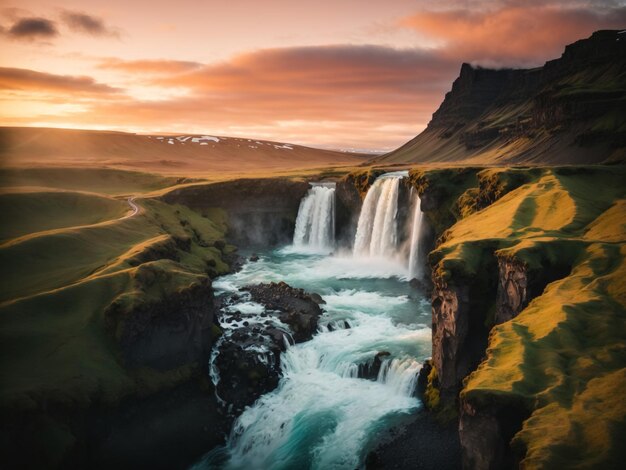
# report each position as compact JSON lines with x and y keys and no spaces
{"x":362,"y":74}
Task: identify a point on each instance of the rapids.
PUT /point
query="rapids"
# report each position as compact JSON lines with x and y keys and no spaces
{"x":323,"y":415}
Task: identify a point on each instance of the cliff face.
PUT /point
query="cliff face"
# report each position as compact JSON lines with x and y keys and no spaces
{"x":571,"y":110}
{"x":259,"y":211}
{"x":524,"y":262}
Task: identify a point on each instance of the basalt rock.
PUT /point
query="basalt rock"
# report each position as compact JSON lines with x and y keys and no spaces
{"x":512,"y":296}
{"x":248,"y":355}
{"x":348,"y":204}
{"x":422,"y":377}
{"x":371,"y":370}
{"x":485,"y":433}
{"x":165,"y":334}
{"x":297,"y":308}
{"x":246,"y":373}
{"x":261,"y":212}
{"x":518,"y":284}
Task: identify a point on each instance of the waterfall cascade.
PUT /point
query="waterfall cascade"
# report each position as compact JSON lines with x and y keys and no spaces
{"x":329,"y":403}
{"x":315,"y":224}
{"x":377,"y":230}
{"x":416,"y":269}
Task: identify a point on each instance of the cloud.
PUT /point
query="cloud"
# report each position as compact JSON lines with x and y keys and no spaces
{"x":515,"y":33}
{"x":33,"y":29}
{"x":156,"y":67}
{"x":87,"y":24}
{"x":359,"y":96}
{"x":16,"y":79}
{"x":323,"y":72}
{"x":356,"y":96}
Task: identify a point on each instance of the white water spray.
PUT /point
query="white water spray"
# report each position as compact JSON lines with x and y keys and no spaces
{"x":377,"y":230}
{"x":416,"y":269}
{"x":315,"y":224}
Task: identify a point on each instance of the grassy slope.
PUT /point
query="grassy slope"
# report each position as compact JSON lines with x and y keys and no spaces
{"x":587,"y":85}
{"x":58,"y":285}
{"x":95,"y":180}
{"x":563,"y":357}
{"x":23,"y":213}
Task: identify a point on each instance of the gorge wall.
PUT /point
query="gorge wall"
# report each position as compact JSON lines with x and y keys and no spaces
{"x":510,"y":243}
{"x":260,"y":212}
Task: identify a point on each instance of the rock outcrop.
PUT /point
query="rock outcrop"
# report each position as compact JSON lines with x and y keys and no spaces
{"x":174,"y":331}
{"x":459,"y":309}
{"x":260,"y":212}
{"x":568,"y":111}
{"x":247,"y":357}
{"x":298,"y":309}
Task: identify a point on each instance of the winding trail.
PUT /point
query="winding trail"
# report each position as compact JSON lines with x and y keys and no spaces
{"x":134,"y":210}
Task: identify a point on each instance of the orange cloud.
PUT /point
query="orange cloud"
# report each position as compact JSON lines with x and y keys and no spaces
{"x":29,"y":80}
{"x":358,"y":96}
{"x":323,"y":72}
{"x":515,"y":34}
{"x":165,"y":67}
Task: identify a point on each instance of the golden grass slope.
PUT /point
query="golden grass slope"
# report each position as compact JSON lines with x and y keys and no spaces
{"x":23,"y":213}
{"x":563,"y":358}
{"x":57,"y":284}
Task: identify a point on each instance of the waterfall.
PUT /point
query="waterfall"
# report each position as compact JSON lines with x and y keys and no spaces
{"x":315,"y":224}
{"x":415,"y":260}
{"x":377,"y":231}
{"x":400,"y":375}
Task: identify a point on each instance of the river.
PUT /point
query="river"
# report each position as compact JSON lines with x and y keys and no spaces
{"x":322,"y":415}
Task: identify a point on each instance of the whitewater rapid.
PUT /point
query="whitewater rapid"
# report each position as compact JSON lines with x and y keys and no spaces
{"x":325,"y":414}
{"x":322,"y":416}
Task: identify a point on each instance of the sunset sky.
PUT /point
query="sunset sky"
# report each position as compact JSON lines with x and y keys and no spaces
{"x":327,"y":73}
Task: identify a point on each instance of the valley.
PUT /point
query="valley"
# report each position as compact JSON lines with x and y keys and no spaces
{"x":206,"y":302}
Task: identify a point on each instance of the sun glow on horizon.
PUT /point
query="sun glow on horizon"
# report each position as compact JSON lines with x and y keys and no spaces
{"x":367,"y":76}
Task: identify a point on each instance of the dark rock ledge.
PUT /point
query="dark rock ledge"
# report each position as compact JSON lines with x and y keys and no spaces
{"x":248,"y":355}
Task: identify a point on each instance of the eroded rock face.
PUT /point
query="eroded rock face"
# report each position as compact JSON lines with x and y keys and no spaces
{"x":347,"y":208}
{"x":247,"y":356}
{"x":261,"y":212}
{"x":450,"y":314}
{"x":485,"y":433}
{"x":170,"y":333}
{"x":512,"y":296}
{"x":462,"y":307}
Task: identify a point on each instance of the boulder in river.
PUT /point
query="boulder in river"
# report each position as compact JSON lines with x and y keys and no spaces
{"x":296,"y":308}
{"x":248,"y":356}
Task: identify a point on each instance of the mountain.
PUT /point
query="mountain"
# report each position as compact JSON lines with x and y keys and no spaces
{"x":571,"y":110}
{"x":164,"y":153}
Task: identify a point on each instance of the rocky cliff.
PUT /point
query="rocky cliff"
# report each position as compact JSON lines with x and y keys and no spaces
{"x":259,"y":212}
{"x":571,"y":110}
{"x":523,"y":259}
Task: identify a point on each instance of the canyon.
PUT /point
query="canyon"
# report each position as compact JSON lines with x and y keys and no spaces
{"x":332,"y":316}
